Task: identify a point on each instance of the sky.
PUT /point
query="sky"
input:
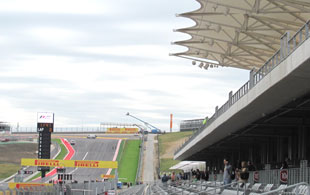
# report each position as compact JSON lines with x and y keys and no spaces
{"x":93,"y":61}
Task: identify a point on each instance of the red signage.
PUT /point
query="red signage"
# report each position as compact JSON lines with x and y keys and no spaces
{"x":284,"y":176}
{"x":83,"y":163}
{"x":256,"y":176}
{"x":50,"y":163}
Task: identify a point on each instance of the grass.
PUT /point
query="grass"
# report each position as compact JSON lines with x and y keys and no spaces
{"x":8,"y":169}
{"x":63,"y":151}
{"x":60,"y":156}
{"x":10,"y":164}
{"x":129,"y":161}
{"x":165,"y":139}
{"x":166,"y":163}
{"x":164,"y":142}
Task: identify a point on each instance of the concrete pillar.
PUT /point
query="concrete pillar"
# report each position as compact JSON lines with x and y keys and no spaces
{"x":284,"y":50}
{"x":250,"y":154}
{"x":251,"y":80}
{"x":302,"y":142}
{"x":303,"y":171}
{"x":230,"y":98}
{"x":280,"y":150}
{"x":289,"y":148}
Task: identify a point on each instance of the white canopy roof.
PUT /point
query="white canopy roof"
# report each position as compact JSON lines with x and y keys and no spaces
{"x":188,"y":165}
{"x":241,"y":33}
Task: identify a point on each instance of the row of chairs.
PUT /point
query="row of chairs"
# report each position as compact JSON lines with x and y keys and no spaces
{"x":193,"y":188}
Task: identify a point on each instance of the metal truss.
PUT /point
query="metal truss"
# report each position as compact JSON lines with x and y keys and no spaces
{"x":240,"y":33}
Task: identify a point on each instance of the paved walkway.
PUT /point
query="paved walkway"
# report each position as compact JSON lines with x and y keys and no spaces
{"x":148,"y":169}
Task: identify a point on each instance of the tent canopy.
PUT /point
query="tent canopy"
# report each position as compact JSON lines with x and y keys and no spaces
{"x":240,"y":33}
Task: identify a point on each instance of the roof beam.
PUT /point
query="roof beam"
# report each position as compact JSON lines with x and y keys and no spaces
{"x":296,"y":4}
{"x":283,"y":8}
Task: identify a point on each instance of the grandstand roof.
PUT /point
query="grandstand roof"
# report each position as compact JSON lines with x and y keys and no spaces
{"x":240,"y":33}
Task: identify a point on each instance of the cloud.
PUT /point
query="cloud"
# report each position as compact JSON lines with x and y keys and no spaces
{"x":94,"y":61}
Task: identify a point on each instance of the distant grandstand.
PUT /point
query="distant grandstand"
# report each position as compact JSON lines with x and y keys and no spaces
{"x":191,"y":125}
{"x":119,"y":128}
{"x":4,"y":127}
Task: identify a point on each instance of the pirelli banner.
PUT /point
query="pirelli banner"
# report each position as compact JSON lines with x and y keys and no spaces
{"x":68,"y":163}
{"x":24,"y":185}
{"x":123,"y":130}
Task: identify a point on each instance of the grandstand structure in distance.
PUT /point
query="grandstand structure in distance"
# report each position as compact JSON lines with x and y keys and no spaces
{"x":267,"y":120}
{"x":191,"y":125}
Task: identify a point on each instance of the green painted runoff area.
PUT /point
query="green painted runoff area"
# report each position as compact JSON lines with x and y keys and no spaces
{"x":129,"y":159}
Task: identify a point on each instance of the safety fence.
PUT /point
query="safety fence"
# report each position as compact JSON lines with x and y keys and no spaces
{"x":91,"y":188}
{"x":288,"y":46}
{"x":137,"y":189}
{"x":285,"y":176}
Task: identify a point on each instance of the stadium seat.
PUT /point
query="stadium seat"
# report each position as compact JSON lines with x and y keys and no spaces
{"x":231,"y":192}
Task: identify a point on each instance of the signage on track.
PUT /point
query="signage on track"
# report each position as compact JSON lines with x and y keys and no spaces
{"x":68,"y":163}
{"x":107,"y":176}
{"x":23,"y":185}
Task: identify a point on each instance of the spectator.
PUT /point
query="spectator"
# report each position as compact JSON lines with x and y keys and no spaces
{"x":164,"y":180}
{"x":173,"y":177}
{"x":227,"y":172}
{"x":244,"y":173}
{"x":284,"y":165}
{"x":207,"y":175}
{"x":198,"y":175}
{"x":251,"y":166}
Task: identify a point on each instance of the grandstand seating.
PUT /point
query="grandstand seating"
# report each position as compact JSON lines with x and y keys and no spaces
{"x":201,"y":188}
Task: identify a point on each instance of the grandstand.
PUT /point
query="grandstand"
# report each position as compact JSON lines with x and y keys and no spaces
{"x":191,"y":125}
{"x":267,"y":120}
{"x":260,"y":122}
{"x":4,"y":127}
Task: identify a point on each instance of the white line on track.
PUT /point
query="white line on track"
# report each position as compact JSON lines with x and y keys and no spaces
{"x":77,"y":167}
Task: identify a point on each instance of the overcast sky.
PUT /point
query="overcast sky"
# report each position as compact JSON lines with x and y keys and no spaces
{"x":93,"y":61}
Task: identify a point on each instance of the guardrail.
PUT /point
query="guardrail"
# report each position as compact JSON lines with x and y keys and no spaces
{"x":289,"y":176}
{"x":288,"y":46}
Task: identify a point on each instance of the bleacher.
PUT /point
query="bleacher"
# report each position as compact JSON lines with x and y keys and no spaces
{"x":204,"y":187}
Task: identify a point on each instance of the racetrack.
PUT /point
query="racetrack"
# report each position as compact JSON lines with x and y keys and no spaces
{"x":91,"y":149}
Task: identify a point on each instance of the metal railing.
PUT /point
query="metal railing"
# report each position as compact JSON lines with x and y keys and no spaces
{"x":290,"y":187}
{"x":288,"y":45}
{"x":294,"y":175}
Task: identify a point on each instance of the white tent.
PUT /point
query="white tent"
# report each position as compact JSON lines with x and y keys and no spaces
{"x":188,"y":165}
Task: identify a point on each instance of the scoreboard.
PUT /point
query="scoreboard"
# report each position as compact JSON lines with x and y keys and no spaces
{"x":45,"y":127}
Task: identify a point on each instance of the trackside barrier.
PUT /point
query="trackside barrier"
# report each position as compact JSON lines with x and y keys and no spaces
{"x":288,"y":46}
{"x":200,"y":187}
{"x":91,"y":188}
{"x":292,"y":176}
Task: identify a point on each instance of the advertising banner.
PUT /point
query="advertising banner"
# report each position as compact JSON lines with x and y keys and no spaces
{"x":256,"y":176}
{"x":68,"y":163}
{"x":283,"y":176}
{"x":23,"y":185}
{"x":107,"y":176}
{"x":123,"y":130}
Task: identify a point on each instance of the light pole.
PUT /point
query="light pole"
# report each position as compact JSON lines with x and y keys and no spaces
{"x":145,"y":123}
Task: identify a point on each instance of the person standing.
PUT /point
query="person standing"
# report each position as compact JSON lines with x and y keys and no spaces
{"x":227,"y":172}
{"x":244,"y":174}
